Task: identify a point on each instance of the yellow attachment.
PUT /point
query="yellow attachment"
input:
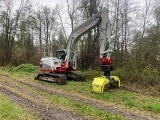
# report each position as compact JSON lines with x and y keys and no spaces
{"x":99,"y":83}
{"x":117,"y":81}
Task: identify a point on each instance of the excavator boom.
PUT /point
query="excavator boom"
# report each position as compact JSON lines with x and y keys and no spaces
{"x":99,"y":20}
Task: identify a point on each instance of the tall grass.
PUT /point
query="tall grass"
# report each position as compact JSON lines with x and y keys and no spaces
{"x":11,"y":111}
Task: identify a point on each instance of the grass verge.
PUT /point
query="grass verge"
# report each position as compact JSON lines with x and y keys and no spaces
{"x":126,"y":98}
{"x":118,"y":96}
{"x":11,"y":111}
{"x":84,"y":109}
{"x":88,"y":111}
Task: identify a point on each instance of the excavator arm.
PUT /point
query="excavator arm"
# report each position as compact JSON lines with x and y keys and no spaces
{"x":100,"y":20}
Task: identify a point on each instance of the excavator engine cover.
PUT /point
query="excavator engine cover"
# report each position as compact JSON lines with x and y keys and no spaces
{"x":99,"y":83}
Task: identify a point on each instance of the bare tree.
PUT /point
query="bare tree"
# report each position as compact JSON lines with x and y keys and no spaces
{"x":89,"y":8}
{"x":9,"y":22}
{"x":73,"y":7}
{"x":39,"y":28}
{"x":148,"y":7}
{"x":58,"y":12}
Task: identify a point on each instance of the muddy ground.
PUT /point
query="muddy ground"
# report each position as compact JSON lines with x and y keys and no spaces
{"x":48,"y":111}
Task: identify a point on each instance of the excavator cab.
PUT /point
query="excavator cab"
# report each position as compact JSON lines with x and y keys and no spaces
{"x":60,"y":54}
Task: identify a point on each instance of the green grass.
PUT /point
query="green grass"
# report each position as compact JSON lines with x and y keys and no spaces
{"x":122,"y":97}
{"x":152,"y":106}
{"x":83,"y":109}
{"x":11,"y":111}
{"x":22,"y":70}
{"x":26,"y":68}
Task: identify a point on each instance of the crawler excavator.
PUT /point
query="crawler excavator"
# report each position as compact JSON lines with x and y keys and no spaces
{"x":60,"y":68}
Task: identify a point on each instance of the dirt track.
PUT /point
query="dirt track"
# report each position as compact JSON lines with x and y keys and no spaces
{"x":37,"y":104}
{"x":48,"y":111}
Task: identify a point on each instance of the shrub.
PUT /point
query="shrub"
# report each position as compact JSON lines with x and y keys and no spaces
{"x":150,"y":75}
{"x":126,"y":75}
{"x":25,"y":68}
{"x":91,"y":74}
{"x":121,"y":73}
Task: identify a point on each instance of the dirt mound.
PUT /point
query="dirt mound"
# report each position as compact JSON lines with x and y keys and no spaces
{"x":25,"y":68}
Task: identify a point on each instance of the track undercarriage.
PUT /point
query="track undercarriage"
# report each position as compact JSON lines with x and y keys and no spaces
{"x":60,"y":78}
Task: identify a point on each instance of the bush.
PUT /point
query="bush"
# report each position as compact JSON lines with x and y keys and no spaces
{"x":91,"y":74}
{"x":150,"y":75}
{"x":121,"y":73}
{"x":25,"y":68}
{"x":147,"y":76}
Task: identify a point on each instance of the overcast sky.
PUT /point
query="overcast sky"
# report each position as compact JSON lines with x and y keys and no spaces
{"x":49,"y":2}
{"x":52,"y":3}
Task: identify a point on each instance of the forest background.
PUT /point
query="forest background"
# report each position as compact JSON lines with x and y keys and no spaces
{"x":26,"y":29}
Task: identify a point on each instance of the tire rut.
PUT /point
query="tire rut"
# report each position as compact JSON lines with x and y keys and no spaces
{"x":35,"y":104}
{"x":95,"y":103}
